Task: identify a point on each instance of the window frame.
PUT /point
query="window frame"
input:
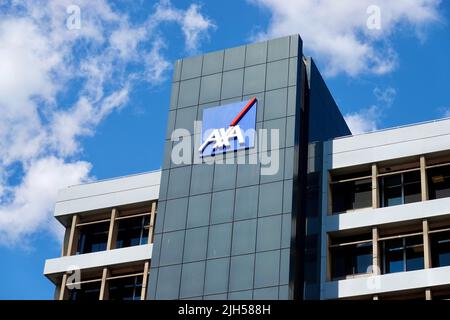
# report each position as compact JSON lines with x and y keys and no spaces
{"x":434,"y":254}
{"x":429,"y":179}
{"x":333,"y":248}
{"x":404,"y":248}
{"x":382,"y":186}
{"x":137,"y":288}
{"x":144,"y":228}
{"x":81,"y":242}
{"x":71,"y":291}
{"x":333,"y":185}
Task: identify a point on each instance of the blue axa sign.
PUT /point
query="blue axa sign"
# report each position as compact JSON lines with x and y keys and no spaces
{"x":228,"y":128}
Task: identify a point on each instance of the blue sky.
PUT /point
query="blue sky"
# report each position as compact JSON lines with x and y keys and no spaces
{"x":91,"y":103}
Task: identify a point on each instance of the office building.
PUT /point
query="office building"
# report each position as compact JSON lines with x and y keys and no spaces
{"x":386,"y":217}
{"x":264,"y":194}
{"x":107,"y":245}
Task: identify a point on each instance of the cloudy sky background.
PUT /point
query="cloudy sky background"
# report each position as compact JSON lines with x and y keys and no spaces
{"x":78,"y":105}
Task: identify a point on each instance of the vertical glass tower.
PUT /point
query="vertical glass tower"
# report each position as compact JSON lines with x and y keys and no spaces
{"x":225,"y":228}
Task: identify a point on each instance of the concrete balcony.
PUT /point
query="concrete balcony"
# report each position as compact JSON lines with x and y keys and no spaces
{"x":387,"y":283}
{"x":363,"y":218}
{"x":105,"y":194}
{"x":57,"y":266}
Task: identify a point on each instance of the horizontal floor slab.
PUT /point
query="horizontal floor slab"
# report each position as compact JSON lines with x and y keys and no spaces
{"x":98,"y":259}
{"x":393,"y":282}
{"x":376,"y":217}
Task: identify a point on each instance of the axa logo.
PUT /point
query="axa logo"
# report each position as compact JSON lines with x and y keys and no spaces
{"x":228,"y":128}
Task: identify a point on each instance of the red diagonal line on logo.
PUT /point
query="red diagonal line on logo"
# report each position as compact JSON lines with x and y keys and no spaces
{"x":243,"y":112}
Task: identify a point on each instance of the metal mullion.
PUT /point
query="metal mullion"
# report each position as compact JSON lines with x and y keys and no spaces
{"x":84,"y":282}
{"x":339,"y":245}
{"x":125,"y":276}
{"x":142,"y":230}
{"x":401,"y":236}
{"x":353,"y":264}
{"x":404,"y":255}
{"x":438,"y":165}
{"x":439,"y":230}
{"x":413,"y":246}
{"x":403,"y":187}
{"x":397,"y":172}
{"x":133,"y":216}
{"x":134,"y":288}
{"x":82,"y":243}
{"x":92,"y":222}
{"x":350,"y":180}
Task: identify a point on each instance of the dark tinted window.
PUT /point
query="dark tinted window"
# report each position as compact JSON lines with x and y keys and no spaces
{"x":132,"y":232}
{"x":352,"y":195}
{"x":404,"y":254}
{"x":87,"y":291}
{"x":128,"y":288}
{"x":440,"y":249}
{"x":392,"y":191}
{"x":439,"y":182}
{"x":400,"y":189}
{"x":351,"y":259}
{"x":414,"y":253}
{"x":93,"y":237}
{"x":412,"y":188}
{"x":393,"y":256}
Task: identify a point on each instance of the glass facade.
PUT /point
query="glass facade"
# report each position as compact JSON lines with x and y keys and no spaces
{"x":224,"y":230}
{"x":217,"y":228}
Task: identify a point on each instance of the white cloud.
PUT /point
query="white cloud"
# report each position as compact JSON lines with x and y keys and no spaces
{"x":363,"y":121}
{"x":80,"y":120}
{"x":126,"y":40}
{"x":336,"y":32}
{"x":193,"y":24}
{"x":25,"y":53}
{"x":368,"y":119}
{"x":34,"y":198}
{"x":446,"y":113}
{"x":157,"y":65}
{"x":57,"y":85}
{"x":386,"y":97}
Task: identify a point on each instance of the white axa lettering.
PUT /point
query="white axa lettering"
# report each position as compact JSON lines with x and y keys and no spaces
{"x":221,"y":138}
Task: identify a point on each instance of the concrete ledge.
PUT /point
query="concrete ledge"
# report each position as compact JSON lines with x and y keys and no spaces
{"x":108,"y":193}
{"x":98,"y":259}
{"x":393,"y":282}
{"x":375,"y":217}
{"x":389,"y":144}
